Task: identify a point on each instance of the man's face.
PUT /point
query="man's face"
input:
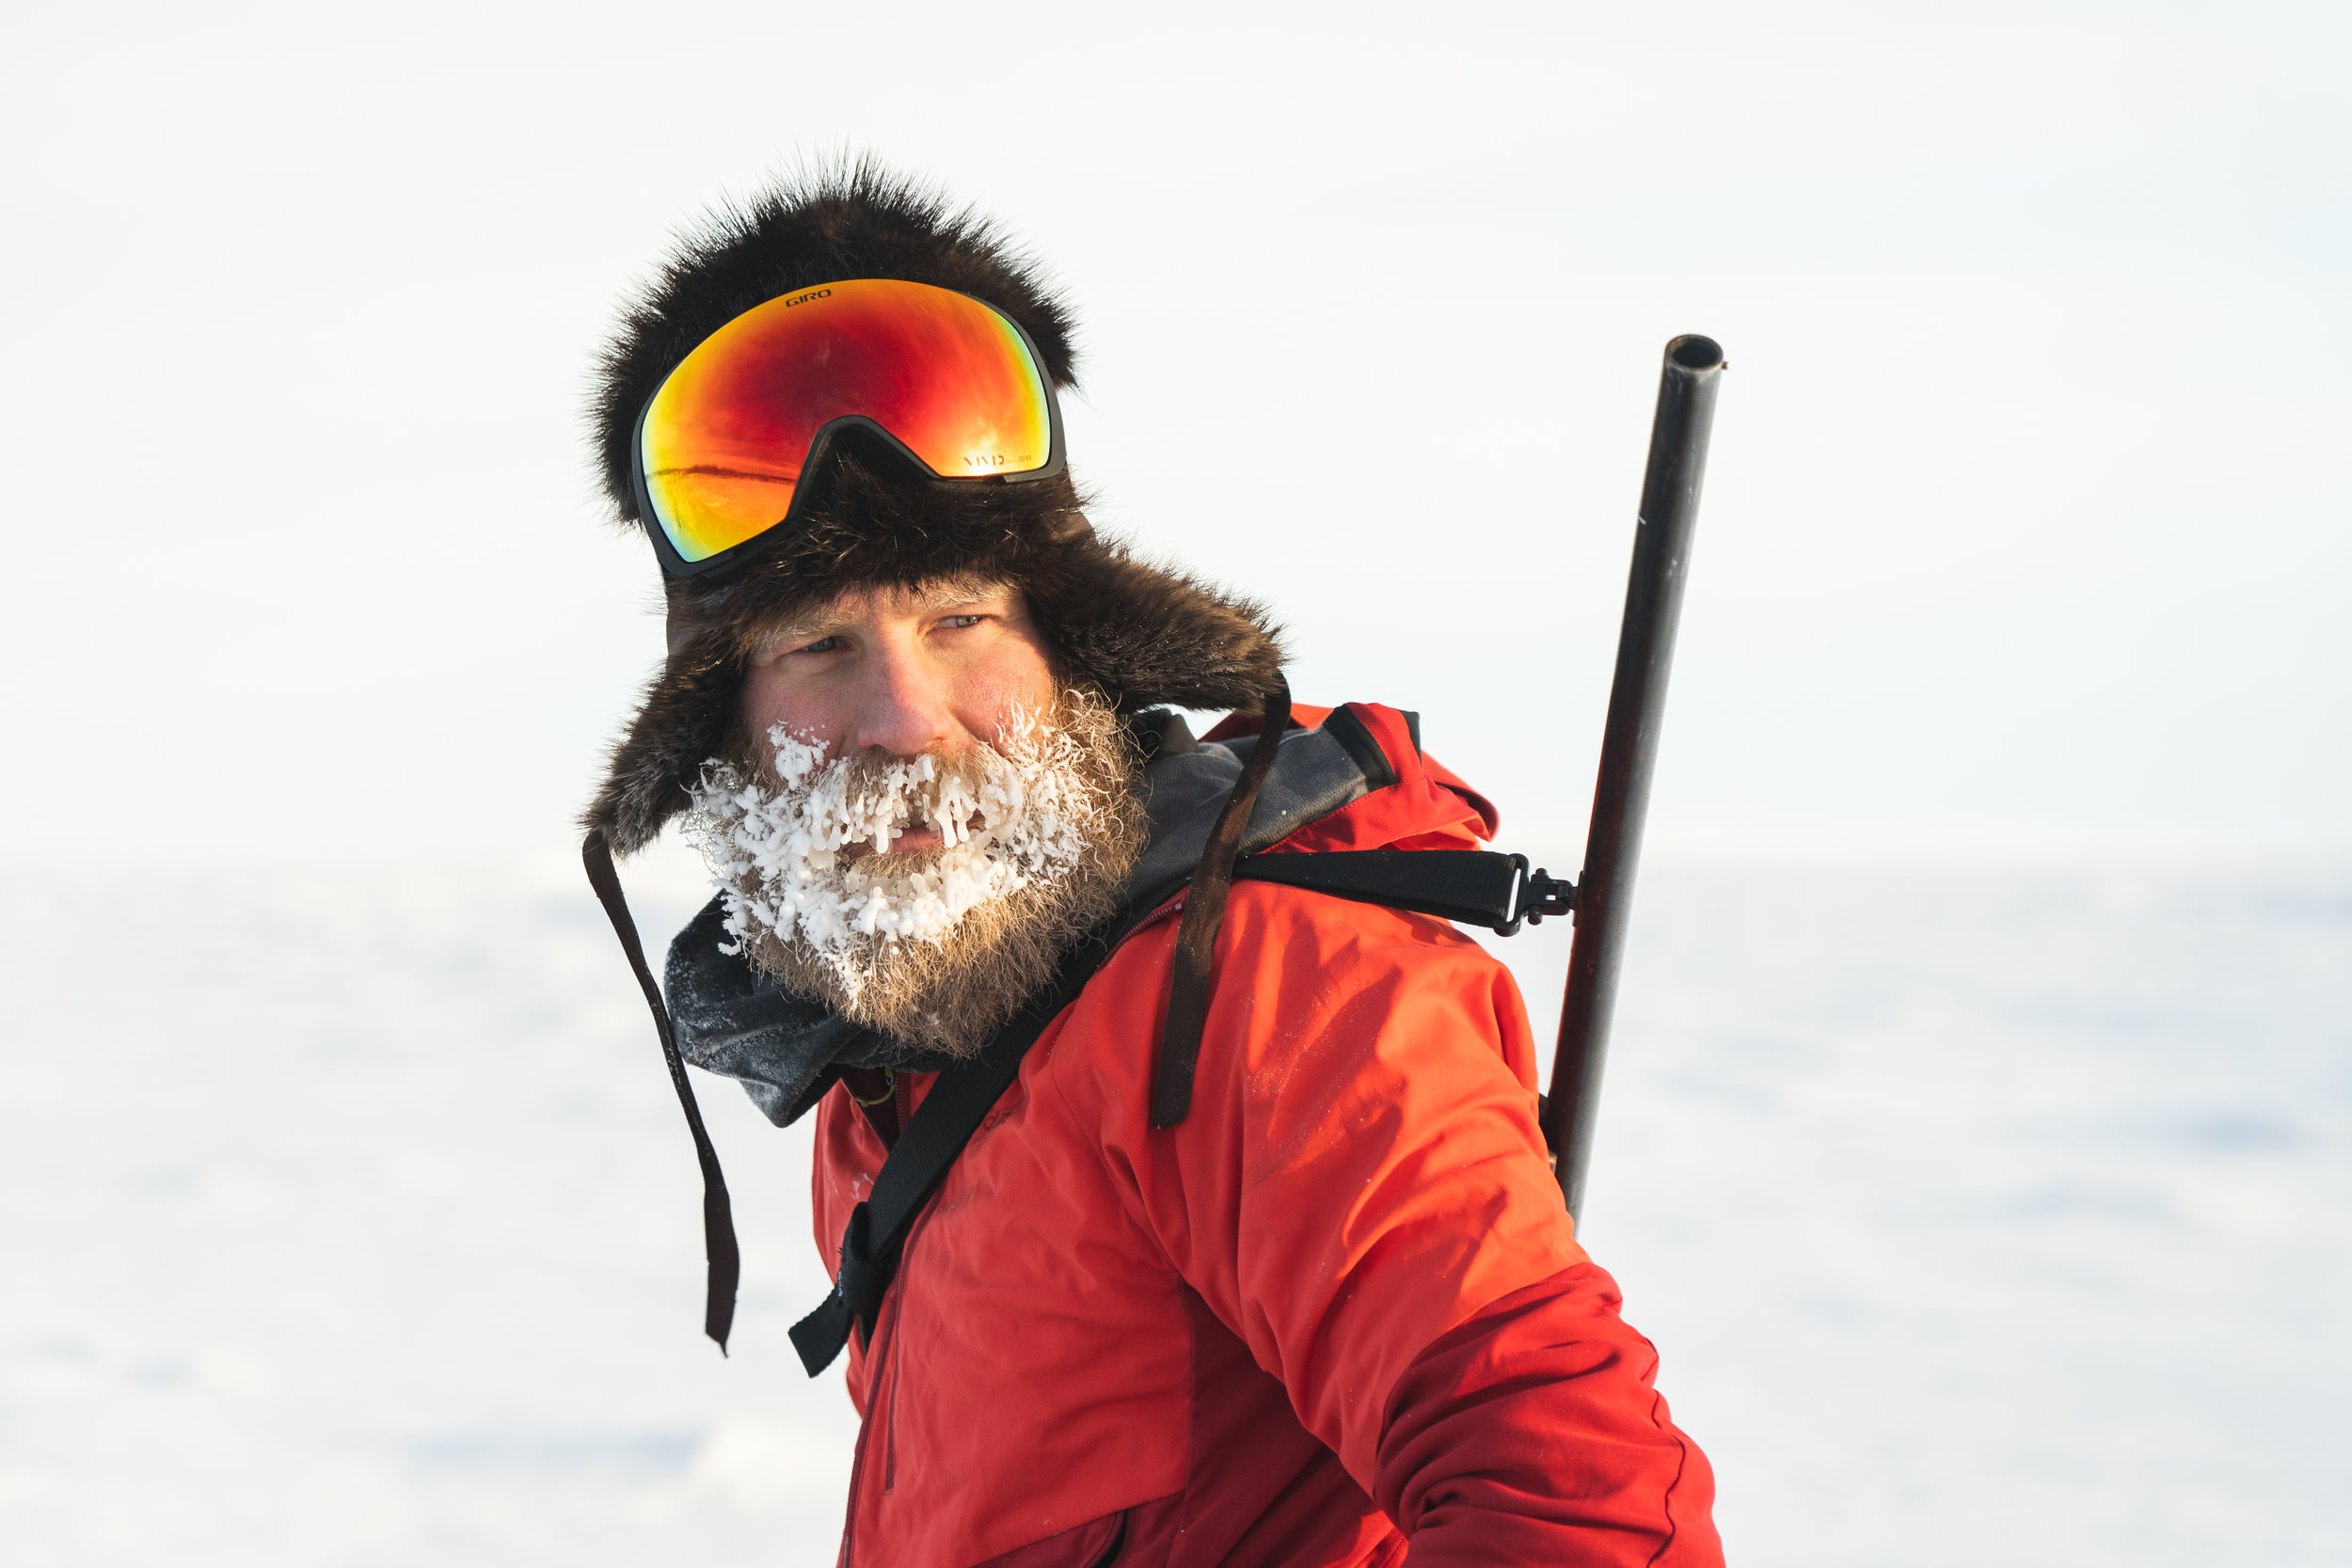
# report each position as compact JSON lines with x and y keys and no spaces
{"x":927,"y":820}
{"x":938,"y":669}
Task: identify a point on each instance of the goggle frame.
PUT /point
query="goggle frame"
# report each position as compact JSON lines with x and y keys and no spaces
{"x":820,"y":443}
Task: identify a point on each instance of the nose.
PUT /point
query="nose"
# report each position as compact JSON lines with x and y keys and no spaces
{"x":902,"y":708}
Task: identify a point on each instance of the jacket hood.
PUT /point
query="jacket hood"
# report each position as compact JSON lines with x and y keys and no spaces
{"x":1140,"y":634}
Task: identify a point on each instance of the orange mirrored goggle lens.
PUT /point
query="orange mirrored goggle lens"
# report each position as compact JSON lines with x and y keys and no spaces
{"x":723,"y":442}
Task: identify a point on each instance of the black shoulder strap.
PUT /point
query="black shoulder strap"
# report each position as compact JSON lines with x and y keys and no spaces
{"x":959,"y":1099}
{"x":1475,"y":887}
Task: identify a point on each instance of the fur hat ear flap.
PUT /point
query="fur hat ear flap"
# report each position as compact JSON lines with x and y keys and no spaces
{"x":683,"y":723}
{"x":1149,"y":636}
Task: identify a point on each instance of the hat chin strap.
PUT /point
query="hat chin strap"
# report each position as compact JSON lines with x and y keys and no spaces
{"x":719,"y":1248}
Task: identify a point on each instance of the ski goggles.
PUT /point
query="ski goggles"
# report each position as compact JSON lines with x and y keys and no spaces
{"x":953,"y":386}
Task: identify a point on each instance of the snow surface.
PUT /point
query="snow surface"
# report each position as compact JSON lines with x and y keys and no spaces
{"x":1980,"y":1218}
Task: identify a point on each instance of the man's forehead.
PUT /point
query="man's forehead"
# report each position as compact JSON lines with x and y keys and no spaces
{"x":890,"y":599}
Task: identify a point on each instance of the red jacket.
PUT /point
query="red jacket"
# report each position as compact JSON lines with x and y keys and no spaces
{"x":1338,"y":1310}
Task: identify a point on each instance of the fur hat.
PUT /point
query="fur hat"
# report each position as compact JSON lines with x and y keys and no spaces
{"x":1141,"y":635}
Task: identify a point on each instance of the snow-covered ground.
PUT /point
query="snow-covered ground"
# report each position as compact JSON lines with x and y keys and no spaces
{"x":1980,"y":1218}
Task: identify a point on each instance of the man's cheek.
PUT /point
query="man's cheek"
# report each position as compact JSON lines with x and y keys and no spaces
{"x":1015,"y":698}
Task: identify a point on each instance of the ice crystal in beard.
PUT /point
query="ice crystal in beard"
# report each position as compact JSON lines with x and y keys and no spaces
{"x":937,"y":946}
{"x":1000,"y":823}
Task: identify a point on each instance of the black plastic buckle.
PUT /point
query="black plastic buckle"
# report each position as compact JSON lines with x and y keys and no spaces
{"x":1536,"y":894}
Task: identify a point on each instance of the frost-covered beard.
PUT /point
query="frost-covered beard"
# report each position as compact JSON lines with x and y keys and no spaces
{"x":936,"y":947}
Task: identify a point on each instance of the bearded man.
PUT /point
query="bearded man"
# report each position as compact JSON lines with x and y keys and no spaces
{"x":1183,"y":1210}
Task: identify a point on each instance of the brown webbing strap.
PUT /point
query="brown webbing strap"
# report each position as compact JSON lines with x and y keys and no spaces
{"x":1205,"y":912}
{"x":727,"y":1265}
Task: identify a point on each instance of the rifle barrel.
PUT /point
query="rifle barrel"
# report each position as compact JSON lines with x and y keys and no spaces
{"x":1629,"y":750}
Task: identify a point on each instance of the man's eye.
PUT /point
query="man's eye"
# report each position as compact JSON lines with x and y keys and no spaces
{"x":823,"y":645}
{"x":962,"y":621}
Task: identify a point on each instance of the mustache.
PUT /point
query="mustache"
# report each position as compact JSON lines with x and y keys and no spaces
{"x":856,"y":806}
{"x":883,"y":798}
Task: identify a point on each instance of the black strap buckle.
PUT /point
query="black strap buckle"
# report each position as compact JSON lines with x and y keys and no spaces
{"x":1536,"y":894}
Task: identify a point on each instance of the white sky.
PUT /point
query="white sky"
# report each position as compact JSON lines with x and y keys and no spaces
{"x":2024,"y":532}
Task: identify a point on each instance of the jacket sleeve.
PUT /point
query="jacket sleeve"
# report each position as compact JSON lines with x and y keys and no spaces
{"x":1361,"y":1193}
{"x":1530,"y":1433}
